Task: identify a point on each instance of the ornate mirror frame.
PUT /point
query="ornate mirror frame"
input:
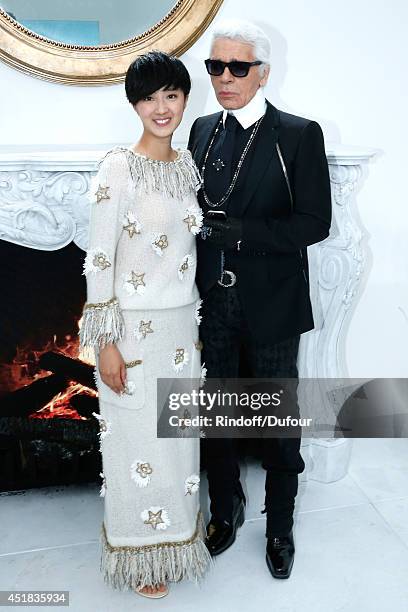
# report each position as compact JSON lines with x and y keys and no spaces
{"x":105,"y":64}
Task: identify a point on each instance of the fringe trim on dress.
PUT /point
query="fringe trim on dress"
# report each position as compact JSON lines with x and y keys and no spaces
{"x":133,"y":566}
{"x":101,"y":323}
{"x":174,"y":178}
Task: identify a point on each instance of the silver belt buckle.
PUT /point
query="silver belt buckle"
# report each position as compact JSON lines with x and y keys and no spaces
{"x":232,"y":276}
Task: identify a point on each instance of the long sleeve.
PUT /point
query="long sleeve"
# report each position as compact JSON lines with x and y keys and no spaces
{"x":310,"y":221}
{"x":102,"y":316}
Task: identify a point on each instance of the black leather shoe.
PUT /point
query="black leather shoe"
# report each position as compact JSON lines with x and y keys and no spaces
{"x":221,"y":534}
{"x":280,"y":554}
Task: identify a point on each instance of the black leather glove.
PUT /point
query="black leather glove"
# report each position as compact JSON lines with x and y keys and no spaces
{"x":223,"y":233}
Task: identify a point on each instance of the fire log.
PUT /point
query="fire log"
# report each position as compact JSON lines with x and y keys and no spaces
{"x":33,"y":397}
{"x":85,"y":405}
{"x":69,"y":368}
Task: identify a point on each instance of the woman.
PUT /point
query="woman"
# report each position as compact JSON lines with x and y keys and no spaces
{"x":142,"y":317}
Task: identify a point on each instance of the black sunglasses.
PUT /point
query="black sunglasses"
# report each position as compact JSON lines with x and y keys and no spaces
{"x":236,"y":68}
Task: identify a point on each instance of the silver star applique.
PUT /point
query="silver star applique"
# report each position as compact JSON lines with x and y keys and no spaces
{"x":155,"y":518}
{"x":137,"y":280}
{"x":191,"y":222}
{"x":102,"y":194}
{"x":131,"y":229}
{"x":145,"y":328}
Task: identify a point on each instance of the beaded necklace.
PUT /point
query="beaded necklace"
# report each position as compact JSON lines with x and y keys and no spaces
{"x":237,"y":171}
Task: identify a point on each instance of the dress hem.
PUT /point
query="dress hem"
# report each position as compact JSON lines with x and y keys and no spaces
{"x":129,"y":567}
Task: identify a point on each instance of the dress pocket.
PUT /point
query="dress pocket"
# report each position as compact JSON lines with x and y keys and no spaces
{"x":134,"y":396}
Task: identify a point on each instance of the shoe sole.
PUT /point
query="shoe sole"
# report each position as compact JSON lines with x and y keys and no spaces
{"x":240,"y":521}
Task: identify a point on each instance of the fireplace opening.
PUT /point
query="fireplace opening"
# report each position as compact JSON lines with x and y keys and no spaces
{"x":48,"y":435}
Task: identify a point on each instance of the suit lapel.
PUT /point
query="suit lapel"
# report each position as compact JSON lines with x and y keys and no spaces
{"x":204,"y":138}
{"x":262,"y":155}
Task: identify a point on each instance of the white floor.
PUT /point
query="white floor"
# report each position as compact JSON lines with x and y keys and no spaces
{"x":351,"y":541}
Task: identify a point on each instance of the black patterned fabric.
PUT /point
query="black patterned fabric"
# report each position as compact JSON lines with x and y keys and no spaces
{"x":229,"y":351}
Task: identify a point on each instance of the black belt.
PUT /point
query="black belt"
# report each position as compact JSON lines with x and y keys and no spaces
{"x":229,"y":277}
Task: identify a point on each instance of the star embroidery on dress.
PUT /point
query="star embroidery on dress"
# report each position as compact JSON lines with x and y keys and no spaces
{"x":191,"y":222}
{"x":134,"y":283}
{"x":140,"y":472}
{"x":186,"y":263}
{"x":191,"y":484}
{"x":186,"y":417}
{"x":184,"y":428}
{"x":130,"y":224}
{"x":102,"y":194}
{"x":194,"y":219}
{"x":159,"y":243}
{"x":156,"y":517}
{"x":144,"y":328}
{"x":96,"y":260}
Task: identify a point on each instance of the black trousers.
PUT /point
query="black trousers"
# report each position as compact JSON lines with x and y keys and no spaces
{"x":226,"y":340}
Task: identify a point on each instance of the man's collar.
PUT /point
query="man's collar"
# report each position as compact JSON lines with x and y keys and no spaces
{"x":247,"y":115}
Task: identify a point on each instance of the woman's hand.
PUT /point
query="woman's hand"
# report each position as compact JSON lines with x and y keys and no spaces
{"x":112,"y":368}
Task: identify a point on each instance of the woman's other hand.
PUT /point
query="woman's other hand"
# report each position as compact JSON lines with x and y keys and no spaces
{"x":112,"y":368}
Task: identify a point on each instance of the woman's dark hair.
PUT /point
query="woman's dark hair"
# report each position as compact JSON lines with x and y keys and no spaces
{"x":153,"y":71}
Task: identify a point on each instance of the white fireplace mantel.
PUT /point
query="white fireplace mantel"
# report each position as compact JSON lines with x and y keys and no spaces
{"x":43,"y":205}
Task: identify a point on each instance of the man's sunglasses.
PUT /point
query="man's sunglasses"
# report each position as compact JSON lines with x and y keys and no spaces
{"x":236,"y":68}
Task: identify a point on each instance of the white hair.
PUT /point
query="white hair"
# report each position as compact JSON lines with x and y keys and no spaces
{"x":246,"y":32}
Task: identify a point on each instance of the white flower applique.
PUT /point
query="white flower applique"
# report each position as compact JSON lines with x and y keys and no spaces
{"x":134,"y":283}
{"x":194,"y":219}
{"x":156,"y":517}
{"x":145,"y":328}
{"x":140,"y":472}
{"x":130,"y":387}
{"x":186,"y":263}
{"x":191,"y":484}
{"x":198,"y":317}
{"x":130,"y":224}
{"x":159,"y":243}
{"x":179,"y":359}
{"x":105,"y":427}
{"x":203,"y":375}
{"x":103,"y":486}
{"x":96,"y":260}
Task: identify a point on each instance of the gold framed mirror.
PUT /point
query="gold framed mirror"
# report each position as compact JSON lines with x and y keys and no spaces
{"x":55,"y":59}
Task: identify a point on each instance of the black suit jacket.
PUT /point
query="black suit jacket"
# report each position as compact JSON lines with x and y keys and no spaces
{"x":272,"y":265}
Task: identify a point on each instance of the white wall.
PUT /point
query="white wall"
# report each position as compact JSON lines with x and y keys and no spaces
{"x":343,"y":65}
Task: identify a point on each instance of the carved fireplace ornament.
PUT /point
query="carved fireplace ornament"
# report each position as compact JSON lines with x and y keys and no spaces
{"x":96,"y":44}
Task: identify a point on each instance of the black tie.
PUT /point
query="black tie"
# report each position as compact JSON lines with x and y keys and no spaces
{"x":220,"y":166}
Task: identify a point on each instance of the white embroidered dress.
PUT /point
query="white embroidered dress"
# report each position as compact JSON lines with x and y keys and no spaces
{"x":141,"y":294}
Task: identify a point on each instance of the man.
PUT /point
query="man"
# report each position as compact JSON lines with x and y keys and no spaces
{"x":267,"y":170}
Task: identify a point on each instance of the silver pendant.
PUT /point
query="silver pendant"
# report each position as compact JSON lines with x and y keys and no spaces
{"x":218,"y":164}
